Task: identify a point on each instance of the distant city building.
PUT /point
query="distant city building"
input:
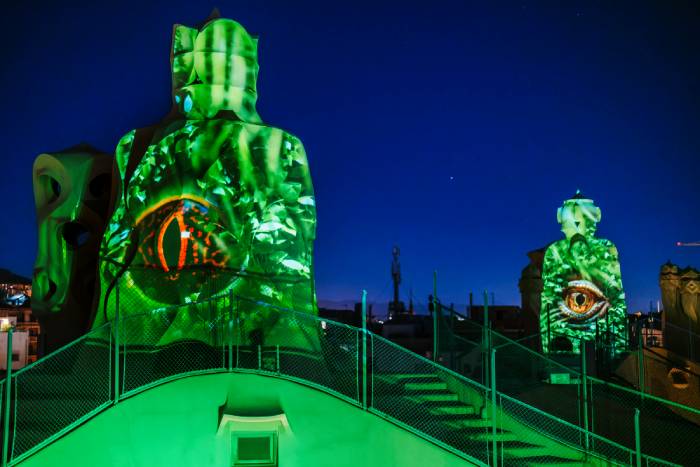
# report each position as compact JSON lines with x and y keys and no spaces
{"x":15,"y":291}
{"x":649,"y":327}
{"x":530,"y":285}
{"x":16,"y":312}
{"x":680,"y":295}
{"x":505,"y":319}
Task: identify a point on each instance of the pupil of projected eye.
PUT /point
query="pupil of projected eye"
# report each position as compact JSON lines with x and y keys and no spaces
{"x":580,"y":299}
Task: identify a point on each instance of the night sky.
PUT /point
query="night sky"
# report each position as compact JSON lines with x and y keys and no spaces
{"x":453,"y":129}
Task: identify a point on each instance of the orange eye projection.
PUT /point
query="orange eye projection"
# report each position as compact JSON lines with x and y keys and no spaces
{"x":582,"y":302}
{"x":184,"y":247}
{"x":579,"y":300}
{"x":181,"y":234}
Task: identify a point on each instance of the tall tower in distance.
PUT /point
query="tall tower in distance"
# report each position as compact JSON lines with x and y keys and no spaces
{"x":396,"y":307}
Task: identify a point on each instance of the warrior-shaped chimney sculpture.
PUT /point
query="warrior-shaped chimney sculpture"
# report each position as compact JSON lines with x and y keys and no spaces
{"x":211,"y":202}
{"x":582,"y":296}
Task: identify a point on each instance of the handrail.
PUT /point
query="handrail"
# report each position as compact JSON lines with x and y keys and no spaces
{"x":550,"y":361}
{"x":59,"y":350}
{"x":101,"y":405}
{"x":516,"y":343}
{"x":560,"y":421}
{"x":428,"y":361}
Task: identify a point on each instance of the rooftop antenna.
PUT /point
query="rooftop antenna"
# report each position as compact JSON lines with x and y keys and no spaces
{"x":396,"y":274}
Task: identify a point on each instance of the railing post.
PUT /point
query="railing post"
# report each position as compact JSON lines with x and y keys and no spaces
{"x":637,"y":438}
{"x":259,"y":357}
{"x":371,"y":371}
{"x":230,"y":330}
{"x":452,"y":337}
{"x":690,"y":340}
{"x":486,"y":340}
{"x":6,"y":402}
{"x":640,"y":362}
{"x":435,"y":318}
{"x":364,"y":349}
{"x":584,"y":391}
{"x":237,"y":321}
{"x":115,"y":331}
{"x":494,"y":407}
{"x":278,"y":359}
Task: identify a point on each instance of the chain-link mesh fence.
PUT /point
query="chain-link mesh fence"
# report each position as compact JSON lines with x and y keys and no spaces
{"x":539,"y":382}
{"x":297,"y":345}
{"x":539,"y":416}
{"x":664,"y":364}
{"x":417,"y":393}
{"x":612,"y":415}
{"x":550,"y":439}
{"x":680,"y":340}
{"x":60,"y":390}
{"x":556,"y":388}
{"x":461,"y":352}
{"x":173,"y":341}
{"x":140,"y":288}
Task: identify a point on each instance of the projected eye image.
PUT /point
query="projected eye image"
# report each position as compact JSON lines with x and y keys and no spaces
{"x":182,"y":233}
{"x":184,"y":242}
{"x":582,"y":303}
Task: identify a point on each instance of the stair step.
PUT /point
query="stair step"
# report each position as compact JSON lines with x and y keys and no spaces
{"x":456,"y":410}
{"x":400,"y":379}
{"x":515,"y":444}
{"x":548,"y":460}
{"x":557,"y":462}
{"x":437,"y":396}
{"x":426,"y":385}
{"x":404,"y":376}
{"x":485,"y":433}
{"x":449,"y":407}
{"x":477,"y":432}
{"x":457,"y":418}
{"x":526,"y":450}
{"x":477,"y":422}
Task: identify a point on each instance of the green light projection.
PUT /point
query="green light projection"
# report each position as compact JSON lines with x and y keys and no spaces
{"x":211,"y":201}
{"x":582,"y":296}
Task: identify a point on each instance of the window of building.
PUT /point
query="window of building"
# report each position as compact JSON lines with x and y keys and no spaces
{"x":255,"y":449}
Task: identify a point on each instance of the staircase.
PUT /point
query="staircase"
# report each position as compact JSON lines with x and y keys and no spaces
{"x":553,"y":385}
{"x":63,"y":390}
{"x":429,"y":405}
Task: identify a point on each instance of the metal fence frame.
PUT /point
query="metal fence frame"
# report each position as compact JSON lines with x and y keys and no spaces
{"x":635,"y":400}
{"x":354,"y":384}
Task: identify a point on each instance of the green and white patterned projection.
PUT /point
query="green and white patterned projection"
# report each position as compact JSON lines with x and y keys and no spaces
{"x":211,"y":201}
{"x":582,"y":296}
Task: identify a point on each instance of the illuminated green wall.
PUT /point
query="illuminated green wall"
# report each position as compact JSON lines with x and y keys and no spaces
{"x":177,"y":424}
{"x":582,"y":296}
{"x":211,"y":201}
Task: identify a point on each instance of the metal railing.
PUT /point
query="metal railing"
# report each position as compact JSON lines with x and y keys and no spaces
{"x":679,"y":339}
{"x":622,"y":415}
{"x":136,"y":352}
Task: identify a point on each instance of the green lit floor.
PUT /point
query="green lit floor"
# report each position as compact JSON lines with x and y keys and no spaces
{"x":177,"y":424}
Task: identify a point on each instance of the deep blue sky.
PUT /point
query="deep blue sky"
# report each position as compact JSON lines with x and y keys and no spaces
{"x":452,"y":128}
